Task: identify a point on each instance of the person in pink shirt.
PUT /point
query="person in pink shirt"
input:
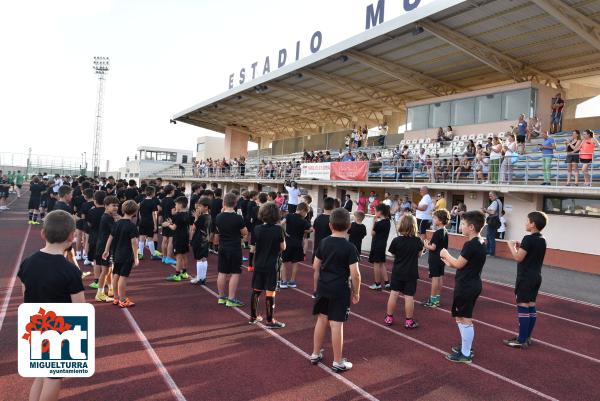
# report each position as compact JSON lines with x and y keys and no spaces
{"x":361,"y":204}
{"x":279,"y":199}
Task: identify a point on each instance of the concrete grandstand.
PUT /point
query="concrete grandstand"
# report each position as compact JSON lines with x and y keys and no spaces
{"x":472,"y":65}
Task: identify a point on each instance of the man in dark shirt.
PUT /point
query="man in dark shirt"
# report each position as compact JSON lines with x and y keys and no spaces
{"x":467,"y":282}
{"x":49,"y":278}
{"x":321,"y":224}
{"x":348,"y":204}
{"x":336,"y":261}
{"x":529,"y":256}
{"x":230,"y":231}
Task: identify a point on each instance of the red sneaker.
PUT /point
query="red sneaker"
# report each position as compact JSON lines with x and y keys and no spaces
{"x":128,"y":303}
{"x":250,"y":268}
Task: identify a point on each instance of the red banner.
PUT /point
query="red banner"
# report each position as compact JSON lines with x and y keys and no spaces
{"x":349,"y":171}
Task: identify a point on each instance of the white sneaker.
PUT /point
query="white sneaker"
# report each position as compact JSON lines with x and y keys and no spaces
{"x":195,"y":280}
{"x":78,"y":257}
{"x":87,"y":262}
{"x":342,"y":366}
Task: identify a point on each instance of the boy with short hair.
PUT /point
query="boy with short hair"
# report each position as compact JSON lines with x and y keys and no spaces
{"x":167,"y":205}
{"x":336,"y":261}
{"x":321,"y":224}
{"x":254,"y":218}
{"x":180,"y":225}
{"x":93,"y":218}
{"x":357,"y":231}
{"x":438,"y":241}
{"x":215,"y":208}
{"x":82,"y":224}
{"x":200,"y":233}
{"x":47,"y":276}
{"x":147,"y":223}
{"x":296,"y":226}
{"x":467,"y":282}
{"x":230,"y":231}
{"x":529,"y":255}
{"x":122,"y":243}
{"x":107,"y":221}
{"x":269,"y":244}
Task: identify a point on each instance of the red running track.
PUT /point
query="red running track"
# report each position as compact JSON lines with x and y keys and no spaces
{"x":178,"y":344}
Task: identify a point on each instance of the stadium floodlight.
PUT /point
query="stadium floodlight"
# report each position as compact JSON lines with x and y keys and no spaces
{"x":101,"y":67}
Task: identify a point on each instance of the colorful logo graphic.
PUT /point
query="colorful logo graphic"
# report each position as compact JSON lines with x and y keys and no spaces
{"x":56,"y":340}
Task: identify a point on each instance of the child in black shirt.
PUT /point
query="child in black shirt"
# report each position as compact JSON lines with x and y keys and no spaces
{"x":35,"y":190}
{"x":357,"y":231}
{"x":48,"y":277}
{"x":107,"y":221}
{"x":230,"y":231}
{"x":296,"y":226}
{"x":336,"y":261}
{"x":147,"y":223}
{"x":167,"y":205}
{"x":269,"y":244}
{"x":439,"y":241}
{"x":122,"y":243}
{"x":529,"y":255}
{"x":467,"y":282}
{"x":179,"y":224}
{"x":321,"y":224}
{"x":407,"y":248}
{"x":379,"y":238}
{"x":216,"y":206}
{"x":200,"y":233}
{"x":93,"y":217}
{"x":253,"y":209}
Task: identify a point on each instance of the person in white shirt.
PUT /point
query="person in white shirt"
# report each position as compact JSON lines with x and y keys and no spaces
{"x":502,"y":229}
{"x":388,"y":200}
{"x":293,"y":195}
{"x":423,"y":211}
{"x":58,"y":182}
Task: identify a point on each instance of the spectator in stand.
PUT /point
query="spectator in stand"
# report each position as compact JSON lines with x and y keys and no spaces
{"x":510,"y":158}
{"x":586,"y":155}
{"x":556,"y":114}
{"x":521,"y":132}
{"x":463,"y":167}
{"x":441,"y":173}
{"x":348,"y":141}
{"x":493,"y":211}
{"x":495,"y":157}
{"x":421,"y":160}
{"x":361,"y":203}
{"x":534,"y":128}
{"x":383,"y":131}
{"x":547,"y":147}
{"x":573,"y":145}
{"x":471,"y":150}
{"x":488,"y":146}
{"x":449,"y":133}
{"x":355,"y":138}
{"x":348,"y":157}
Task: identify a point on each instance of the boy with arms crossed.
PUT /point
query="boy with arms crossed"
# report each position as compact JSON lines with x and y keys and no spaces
{"x":336,"y":261}
{"x":439,"y":241}
{"x":529,"y":255}
{"x":467,"y":282}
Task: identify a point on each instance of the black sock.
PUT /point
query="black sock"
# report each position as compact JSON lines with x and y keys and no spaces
{"x":376,"y":283}
{"x":155,"y":244}
{"x":254,"y":303}
{"x":96,"y":280}
{"x":42,"y":215}
{"x":184,"y":271}
{"x":30,"y":216}
{"x":250,"y":258}
{"x":270,"y":302}
{"x":35,"y":216}
{"x":387,"y":283}
{"x":216,"y":248}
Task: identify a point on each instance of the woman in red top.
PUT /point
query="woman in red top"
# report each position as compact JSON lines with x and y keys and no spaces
{"x":586,"y":155}
{"x":361,"y":204}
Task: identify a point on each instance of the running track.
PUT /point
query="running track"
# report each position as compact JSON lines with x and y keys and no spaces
{"x":178,"y":344}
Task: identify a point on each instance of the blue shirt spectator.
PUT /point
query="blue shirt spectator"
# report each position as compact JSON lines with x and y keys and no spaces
{"x":348,"y":157}
{"x":548,"y":146}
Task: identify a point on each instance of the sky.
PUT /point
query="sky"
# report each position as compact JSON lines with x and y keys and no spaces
{"x":165,"y":57}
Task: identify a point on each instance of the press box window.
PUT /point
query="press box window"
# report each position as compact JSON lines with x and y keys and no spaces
{"x":572,"y":206}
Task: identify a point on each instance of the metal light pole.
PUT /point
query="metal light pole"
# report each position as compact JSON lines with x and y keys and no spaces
{"x":101,"y":67}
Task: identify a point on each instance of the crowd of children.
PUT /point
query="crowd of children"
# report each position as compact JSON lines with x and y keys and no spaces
{"x":112,"y":223}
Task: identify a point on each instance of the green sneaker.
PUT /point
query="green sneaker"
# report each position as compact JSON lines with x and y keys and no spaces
{"x":174,"y":277}
{"x":222,"y":301}
{"x":234,"y":303}
{"x":140,"y":256}
{"x":94,"y":285}
{"x":185,"y":276}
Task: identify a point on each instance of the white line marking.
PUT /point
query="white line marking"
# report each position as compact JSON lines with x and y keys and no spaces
{"x":337,"y":376}
{"x":175,"y":391}
{"x":431,"y":347}
{"x":13,"y":279}
{"x":538,"y":341}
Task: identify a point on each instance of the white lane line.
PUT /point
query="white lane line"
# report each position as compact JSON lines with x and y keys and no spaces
{"x":538,"y":341}
{"x":337,"y":376}
{"x":431,"y":347}
{"x":175,"y":391}
{"x":13,"y":279}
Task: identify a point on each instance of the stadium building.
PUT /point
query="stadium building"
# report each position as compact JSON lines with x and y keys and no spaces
{"x":419,"y":65}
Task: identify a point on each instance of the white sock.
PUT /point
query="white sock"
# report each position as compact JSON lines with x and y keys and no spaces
{"x":202,"y":269}
{"x":198,"y":270}
{"x":467,"y":333}
{"x":100,"y":290}
{"x":78,"y":254}
{"x":140,"y":247}
{"x":150,"y":245}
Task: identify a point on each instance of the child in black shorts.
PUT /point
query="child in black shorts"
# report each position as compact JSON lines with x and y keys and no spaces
{"x":167,"y":204}
{"x":253,"y":209}
{"x":147,"y":223}
{"x":230,"y":231}
{"x":200,"y":233}
{"x":35,"y":190}
{"x":321,"y":226}
{"x":48,"y":277}
{"x":93,"y":217}
{"x":122,"y":243}
{"x":357,"y":231}
{"x":296,"y":226}
{"x":467,"y":282}
{"x":269,"y":245}
{"x":529,"y":255}
{"x":407,"y":248}
{"x":179,"y":224}
{"x":439,"y":241}
{"x":379,"y":238}
{"x":107,"y":221}
{"x":336,"y":261}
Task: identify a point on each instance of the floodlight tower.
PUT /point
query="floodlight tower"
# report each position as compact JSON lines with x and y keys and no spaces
{"x":101,"y":67}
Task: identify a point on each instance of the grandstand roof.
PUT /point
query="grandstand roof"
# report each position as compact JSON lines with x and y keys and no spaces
{"x":441,"y":48}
